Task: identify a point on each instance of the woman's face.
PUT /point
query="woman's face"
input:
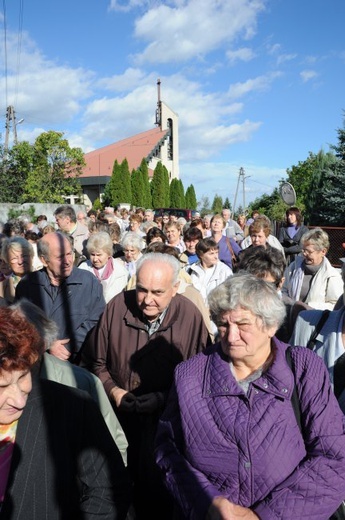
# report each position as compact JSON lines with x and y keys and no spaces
{"x":258,"y":238}
{"x":210,"y":258}
{"x":15,"y":387}
{"x":173,"y":235}
{"x":134,"y":225}
{"x":217,"y":225}
{"x":243,"y":336}
{"x":291,"y":218}
{"x":311,"y":255}
{"x":99,"y":258}
{"x":241,"y":220}
{"x":21,"y":263}
{"x":131,"y":253}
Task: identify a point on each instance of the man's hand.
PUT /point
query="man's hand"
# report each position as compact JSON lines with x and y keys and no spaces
{"x":124,"y":400}
{"x":59,"y":350}
{"x":223,"y":509}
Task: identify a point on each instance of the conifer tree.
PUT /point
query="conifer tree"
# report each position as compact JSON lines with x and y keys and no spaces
{"x":147,"y":197}
{"x":191,"y":202}
{"x":137,"y":185}
{"x":158,"y":187}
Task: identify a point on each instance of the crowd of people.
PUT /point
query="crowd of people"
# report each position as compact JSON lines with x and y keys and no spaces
{"x":153,"y":367}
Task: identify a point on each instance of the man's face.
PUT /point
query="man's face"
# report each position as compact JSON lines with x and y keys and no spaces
{"x":148,"y":216}
{"x":226,"y":214}
{"x":155,"y":288}
{"x":64,"y":223}
{"x":59,"y":264}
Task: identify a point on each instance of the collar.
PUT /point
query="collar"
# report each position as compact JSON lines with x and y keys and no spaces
{"x":277,"y":380}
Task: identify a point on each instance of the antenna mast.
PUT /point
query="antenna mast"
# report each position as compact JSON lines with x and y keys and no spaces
{"x":159,"y":105}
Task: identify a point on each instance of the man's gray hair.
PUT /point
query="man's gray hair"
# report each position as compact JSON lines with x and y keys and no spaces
{"x":66,"y":211}
{"x":161,"y":258}
{"x":249,"y":292}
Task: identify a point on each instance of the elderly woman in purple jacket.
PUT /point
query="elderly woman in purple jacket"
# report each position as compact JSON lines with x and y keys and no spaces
{"x":229,"y":444}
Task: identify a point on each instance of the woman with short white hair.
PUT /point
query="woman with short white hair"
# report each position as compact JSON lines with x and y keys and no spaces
{"x":110,"y":271}
{"x":310,"y":279}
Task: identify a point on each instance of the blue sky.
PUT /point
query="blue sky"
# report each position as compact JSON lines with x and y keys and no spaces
{"x":256,"y":83}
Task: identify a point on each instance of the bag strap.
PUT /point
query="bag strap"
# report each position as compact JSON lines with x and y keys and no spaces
{"x":296,"y":405}
{"x":233,"y":256}
{"x":319,"y":325}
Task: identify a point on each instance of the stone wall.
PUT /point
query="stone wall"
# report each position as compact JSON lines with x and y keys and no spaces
{"x":40,"y":209}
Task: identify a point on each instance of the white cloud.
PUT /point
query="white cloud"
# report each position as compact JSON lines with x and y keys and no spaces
{"x":243,"y":54}
{"x":192,"y":28}
{"x":260,"y":83}
{"x":308,"y":75}
{"x":41,"y":90}
{"x":282,"y":58}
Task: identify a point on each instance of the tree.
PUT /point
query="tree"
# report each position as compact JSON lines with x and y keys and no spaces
{"x":182,"y":195}
{"x":175,"y":195}
{"x":191,"y":202}
{"x":109,"y":187}
{"x":227,"y":204}
{"x":14,"y":171}
{"x":158,"y":187}
{"x":217,"y":204}
{"x":118,"y":188}
{"x":147,"y":197}
{"x":126,"y":189}
{"x":137,"y":184}
{"x":46,"y":171}
{"x":204,"y":205}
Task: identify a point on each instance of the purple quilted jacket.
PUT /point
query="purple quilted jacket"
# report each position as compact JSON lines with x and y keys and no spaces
{"x":214,"y":440}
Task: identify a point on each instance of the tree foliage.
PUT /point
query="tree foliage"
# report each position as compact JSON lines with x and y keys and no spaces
{"x":217,"y":204}
{"x":137,"y":185}
{"x":159,"y":187}
{"x":46,"y":171}
{"x":118,"y":189}
{"x":227,"y":204}
{"x":190,"y":198}
{"x":147,"y":197}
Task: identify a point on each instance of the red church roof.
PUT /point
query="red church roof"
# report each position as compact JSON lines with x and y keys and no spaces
{"x":100,"y":162}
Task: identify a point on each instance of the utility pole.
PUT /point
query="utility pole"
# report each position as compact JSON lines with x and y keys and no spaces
{"x":241,"y":177}
{"x":11,"y":122}
{"x":240,"y":173}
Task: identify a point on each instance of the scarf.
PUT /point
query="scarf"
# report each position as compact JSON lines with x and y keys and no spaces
{"x":107,"y":271}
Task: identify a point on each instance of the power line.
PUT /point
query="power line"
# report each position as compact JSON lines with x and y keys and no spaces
{"x":19,"y":46}
{"x":5,"y":49}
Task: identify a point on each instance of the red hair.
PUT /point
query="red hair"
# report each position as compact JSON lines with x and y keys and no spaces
{"x":20,"y":343}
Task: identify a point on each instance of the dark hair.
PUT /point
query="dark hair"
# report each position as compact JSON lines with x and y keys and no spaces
{"x":31,"y":235}
{"x":20,"y":343}
{"x":296,"y":212}
{"x":155,"y":232}
{"x":198,"y":222}
{"x":13,"y":227}
{"x":205,"y":245}
{"x":97,"y":226}
{"x":192,"y":233}
{"x":159,"y":247}
{"x":114,"y":231}
{"x":260,"y":261}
